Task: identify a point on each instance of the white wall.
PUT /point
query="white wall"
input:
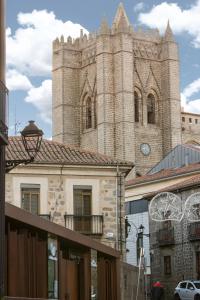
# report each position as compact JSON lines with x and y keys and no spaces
{"x":131,"y":243}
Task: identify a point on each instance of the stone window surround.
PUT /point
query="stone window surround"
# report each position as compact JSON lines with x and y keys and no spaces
{"x":69,"y":192}
{"x":43,"y":182}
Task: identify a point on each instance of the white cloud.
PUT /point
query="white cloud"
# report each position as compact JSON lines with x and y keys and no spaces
{"x":29,"y":48}
{"x":189,"y":105}
{"x":17,"y":81}
{"x":138,"y":7}
{"x":40,"y":97}
{"x":29,"y":52}
{"x":192,"y":88}
{"x":181,"y":20}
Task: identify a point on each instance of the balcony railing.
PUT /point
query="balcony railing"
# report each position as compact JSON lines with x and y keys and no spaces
{"x":89,"y":225}
{"x":46,"y":217}
{"x":3,"y":114}
{"x":194,"y":231}
{"x":166,"y":237}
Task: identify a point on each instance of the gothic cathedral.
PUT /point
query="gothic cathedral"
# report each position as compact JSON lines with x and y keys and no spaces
{"x":117,"y":92}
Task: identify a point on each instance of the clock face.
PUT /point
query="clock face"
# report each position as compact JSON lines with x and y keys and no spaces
{"x":145,"y":149}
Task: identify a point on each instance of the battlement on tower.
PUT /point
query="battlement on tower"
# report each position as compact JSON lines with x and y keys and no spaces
{"x":78,"y":44}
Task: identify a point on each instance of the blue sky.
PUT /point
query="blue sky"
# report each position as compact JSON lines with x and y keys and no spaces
{"x":32,"y":25}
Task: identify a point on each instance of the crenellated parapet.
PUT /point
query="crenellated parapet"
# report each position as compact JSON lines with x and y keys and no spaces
{"x":83,"y":41}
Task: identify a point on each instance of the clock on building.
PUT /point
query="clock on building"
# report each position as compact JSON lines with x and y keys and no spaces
{"x":145,"y":149}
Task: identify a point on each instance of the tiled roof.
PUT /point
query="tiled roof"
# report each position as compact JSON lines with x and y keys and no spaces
{"x":56,"y":153}
{"x":164,"y":174}
{"x":192,"y":181}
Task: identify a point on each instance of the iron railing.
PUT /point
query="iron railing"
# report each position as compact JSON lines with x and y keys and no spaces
{"x":89,"y":224}
{"x":166,"y":236}
{"x":194,"y":231}
{"x":3,"y":114}
{"x":45,"y":216}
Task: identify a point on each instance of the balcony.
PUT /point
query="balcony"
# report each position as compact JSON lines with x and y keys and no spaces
{"x":3,"y":114}
{"x":194,"y":231}
{"x":89,"y":225}
{"x":45,"y":216}
{"x":166,"y":237}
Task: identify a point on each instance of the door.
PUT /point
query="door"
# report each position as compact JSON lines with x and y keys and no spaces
{"x":72,"y":280}
{"x":82,"y":210}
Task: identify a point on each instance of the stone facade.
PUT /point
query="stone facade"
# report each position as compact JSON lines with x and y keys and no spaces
{"x":56,"y":192}
{"x":190,"y":128}
{"x":112,"y":68}
{"x":182,"y":251}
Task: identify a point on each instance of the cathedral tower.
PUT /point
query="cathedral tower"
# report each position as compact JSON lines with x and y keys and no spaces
{"x":117,"y":92}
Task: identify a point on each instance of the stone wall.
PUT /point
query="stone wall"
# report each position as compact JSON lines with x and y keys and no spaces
{"x":182,"y":252}
{"x":56,"y":197}
{"x":129,"y":282}
{"x":109,"y":67}
{"x":190,"y":128}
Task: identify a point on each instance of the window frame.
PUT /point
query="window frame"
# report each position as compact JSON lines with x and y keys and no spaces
{"x":167,"y":265}
{"x":31,"y":190}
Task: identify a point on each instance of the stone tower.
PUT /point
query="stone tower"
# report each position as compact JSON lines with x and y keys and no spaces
{"x":117,"y":92}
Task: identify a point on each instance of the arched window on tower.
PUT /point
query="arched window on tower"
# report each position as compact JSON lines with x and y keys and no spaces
{"x":136,"y":104}
{"x":151,"y":109}
{"x":88,"y":123}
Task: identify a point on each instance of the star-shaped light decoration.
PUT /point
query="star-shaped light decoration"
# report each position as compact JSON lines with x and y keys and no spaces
{"x":166,"y":206}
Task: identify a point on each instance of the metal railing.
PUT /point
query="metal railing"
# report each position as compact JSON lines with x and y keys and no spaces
{"x":194,"y":231}
{"x":166,"y":236}
{"x":88,"y":224}
{"x":3,"y":114}
{"x":45,"y":216}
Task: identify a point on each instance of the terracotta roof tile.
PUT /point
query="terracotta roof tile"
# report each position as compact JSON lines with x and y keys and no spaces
{"x":190,"y":182}
{"x":56,"y":153}
{"x":164,"y":174}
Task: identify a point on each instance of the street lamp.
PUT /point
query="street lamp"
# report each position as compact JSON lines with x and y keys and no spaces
{"x":31,"y":139}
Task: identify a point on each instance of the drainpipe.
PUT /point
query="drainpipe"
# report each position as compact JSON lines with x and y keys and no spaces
{"x":117,"y":211}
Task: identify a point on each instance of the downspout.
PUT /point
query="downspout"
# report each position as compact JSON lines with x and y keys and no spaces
{"x":117,"y":225}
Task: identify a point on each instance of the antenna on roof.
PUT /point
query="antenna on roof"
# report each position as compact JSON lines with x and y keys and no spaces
{"x":17,"y":123}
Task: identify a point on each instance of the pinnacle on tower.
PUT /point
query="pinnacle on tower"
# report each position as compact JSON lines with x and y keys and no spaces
{"x":121,"y":20}
{"x":104,"y":28}
{"x":169,"y":37}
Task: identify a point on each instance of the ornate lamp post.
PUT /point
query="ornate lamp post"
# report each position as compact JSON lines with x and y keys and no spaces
{"x":31,"y":138}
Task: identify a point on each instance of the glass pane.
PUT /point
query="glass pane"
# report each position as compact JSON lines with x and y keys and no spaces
{"x":34,"y":203}
{"x":26,"y":201}
{"x":52,"y":268}
{"x":78,"y":202}
{"x":87,"y":204}
{"x":93,"y":275}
